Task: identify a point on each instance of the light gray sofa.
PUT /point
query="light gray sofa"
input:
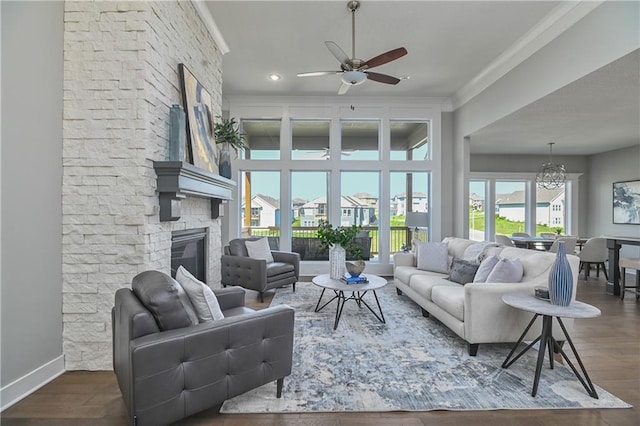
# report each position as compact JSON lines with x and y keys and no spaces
{"x":475,"y":311}
{"x":168,"y":369}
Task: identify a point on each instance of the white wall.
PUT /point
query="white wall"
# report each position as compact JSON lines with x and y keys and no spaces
{"x":31,"y":278}
{"x":604,"y":169}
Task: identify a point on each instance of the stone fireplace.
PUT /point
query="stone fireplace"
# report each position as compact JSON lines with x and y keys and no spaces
{"x":120,"y":79}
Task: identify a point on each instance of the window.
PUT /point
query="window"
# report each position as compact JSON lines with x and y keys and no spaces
{"x":477,"y":197}
{"x":262,"y":138}
{"x":359,"y":140}
{"x":410,"y":192}
{"x":310,"y":140}
{"x":359,"y":197}
{"x":326,"y":161}
{"x":511,"y":214}
{"x":310,"y":198}
{"x":260,"y":211}
{"x":409,"y":140}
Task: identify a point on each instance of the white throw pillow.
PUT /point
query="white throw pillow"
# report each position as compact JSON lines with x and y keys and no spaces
{"x":202,"y":298}
{"x":433,"y":257}
{"x":259,"y":249}
{"x":485,"y":269}
{"x":506,"y":271}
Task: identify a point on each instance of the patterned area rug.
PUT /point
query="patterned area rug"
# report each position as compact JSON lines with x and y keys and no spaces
{"x":411,"y":363}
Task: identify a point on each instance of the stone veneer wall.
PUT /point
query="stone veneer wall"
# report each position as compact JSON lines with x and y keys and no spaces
{"x":120,"y":78}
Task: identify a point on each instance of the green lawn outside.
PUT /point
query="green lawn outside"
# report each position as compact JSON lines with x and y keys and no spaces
{"x":504,"y":226}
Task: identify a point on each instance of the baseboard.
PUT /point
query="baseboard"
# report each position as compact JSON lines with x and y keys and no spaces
{"x":31,"y":382}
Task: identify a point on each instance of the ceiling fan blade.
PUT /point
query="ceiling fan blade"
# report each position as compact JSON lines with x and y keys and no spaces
{"x":317,"y":73}
{"x":343,"y":88}
{"x":339,"y":54}
{"x":389,"y":56}
{"x":382,"y":78}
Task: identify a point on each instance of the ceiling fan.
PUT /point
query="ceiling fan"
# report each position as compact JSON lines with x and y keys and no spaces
{"x":356,"y":71}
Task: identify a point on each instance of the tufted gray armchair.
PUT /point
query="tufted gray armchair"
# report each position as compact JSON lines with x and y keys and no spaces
{"x":168,"y":369}
{"x":256,"y":274}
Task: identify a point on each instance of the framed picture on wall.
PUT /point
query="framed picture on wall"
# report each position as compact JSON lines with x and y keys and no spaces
{"x":198,"y":105}
{"x":626,"y":202}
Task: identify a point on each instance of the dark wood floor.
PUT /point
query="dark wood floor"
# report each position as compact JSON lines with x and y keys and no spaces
{"x":609,"y":346}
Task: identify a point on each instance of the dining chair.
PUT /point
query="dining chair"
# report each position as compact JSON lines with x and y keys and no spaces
{"x":569,"y":245}
{"x":631,"y":263}
{"x":521,"y":234}
{"x":594,"y":251}
{"x":504,"y":240}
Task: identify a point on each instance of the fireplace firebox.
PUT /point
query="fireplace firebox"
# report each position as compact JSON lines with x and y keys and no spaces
{"x":188,"y":250}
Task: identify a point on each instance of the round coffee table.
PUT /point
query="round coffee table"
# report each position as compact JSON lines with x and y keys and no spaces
{"x":357,"y":291}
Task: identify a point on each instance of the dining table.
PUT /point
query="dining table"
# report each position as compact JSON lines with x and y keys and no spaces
{"x":540,"y":242}
{"x":614,"y":244}
{"x":533,"y":242}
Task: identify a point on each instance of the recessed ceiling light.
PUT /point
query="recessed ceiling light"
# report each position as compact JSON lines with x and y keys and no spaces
{"x":274,"y":77}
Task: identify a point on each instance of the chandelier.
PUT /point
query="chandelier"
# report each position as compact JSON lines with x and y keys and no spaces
{"x":550,"y":175}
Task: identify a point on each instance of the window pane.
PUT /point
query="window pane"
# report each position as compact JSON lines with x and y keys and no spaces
{"x":510,"y":208}
{"x":262,"y":138}
{"x":409,"y":193}
{"x":310,"y":140}
{"x":476,"y":211}
{"x":360,"y":140}
{"x":260,"y":213}
{"x":309,"y":199}
{"x":409,"y":140}
{"x":359,"y":195}
{"x":550,"y":210}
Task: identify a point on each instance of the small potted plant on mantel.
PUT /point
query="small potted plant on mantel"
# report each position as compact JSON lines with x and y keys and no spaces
{"x":340,"y":240}
{"x":227,"y":135}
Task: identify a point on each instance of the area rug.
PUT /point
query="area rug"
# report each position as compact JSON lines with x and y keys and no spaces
{"x":411,"y":363}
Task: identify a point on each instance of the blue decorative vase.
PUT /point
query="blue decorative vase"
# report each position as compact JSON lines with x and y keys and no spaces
{"x":561,"y":279}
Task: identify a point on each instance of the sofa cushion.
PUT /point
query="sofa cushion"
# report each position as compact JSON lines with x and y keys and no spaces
{"x":485,"y":269}
{"x":433,"y":257}
{"x":462,"y":271}
{"x":202,"y":298}
{"x":506,"y":271}
{"x":259,"y":249}
{"x":165,"y":299}
{"x":534,"y":262}
{"x":424,"y":284}
{"x":404,"y":273}
{"x":450,"y":299}
{"x":457,"y":246}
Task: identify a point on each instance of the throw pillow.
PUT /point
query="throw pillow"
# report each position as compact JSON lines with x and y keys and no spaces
{"x":202,"y":298}
{"x":259,"y":249}
{"x":462,"y":271}
{"x":165,"y":299}
{"x":485,"y":269}
{"x":433,"y":257}
{"x":506,"y":271}
{"x":475,"y":253}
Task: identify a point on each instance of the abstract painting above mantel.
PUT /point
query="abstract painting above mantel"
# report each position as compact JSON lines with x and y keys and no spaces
{"x":198,"y":105}
{"x":626,"y":202}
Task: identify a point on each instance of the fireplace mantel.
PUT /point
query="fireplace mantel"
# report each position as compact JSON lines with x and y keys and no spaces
{"x":178,"y":180}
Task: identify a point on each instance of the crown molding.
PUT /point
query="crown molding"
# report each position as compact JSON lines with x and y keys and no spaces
{"x":560,"y":19}
{"x":210,"y":24}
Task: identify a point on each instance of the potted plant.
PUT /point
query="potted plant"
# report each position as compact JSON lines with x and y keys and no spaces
{"x":340,"y":240}
{"x":227,"y":134}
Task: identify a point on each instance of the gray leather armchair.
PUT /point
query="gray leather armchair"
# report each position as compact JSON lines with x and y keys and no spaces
{"x":168,"y":369}
{"x":256,"y":274}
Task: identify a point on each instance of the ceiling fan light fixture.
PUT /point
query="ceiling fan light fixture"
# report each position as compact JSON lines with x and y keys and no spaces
{"x":274,"y":77}
{"x":354,"y":78}
{"x":551,"y":175}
